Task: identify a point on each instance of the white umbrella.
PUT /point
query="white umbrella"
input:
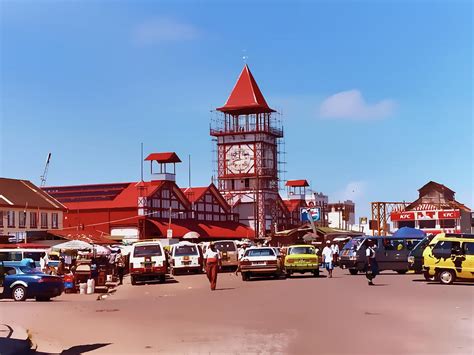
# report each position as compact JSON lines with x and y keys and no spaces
{"x":73,"y":245}
{"x":191,"y":235}
{"x":101,"y":250}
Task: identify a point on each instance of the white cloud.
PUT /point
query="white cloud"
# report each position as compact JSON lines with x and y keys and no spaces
{"x":351,"y":105}
{"x":163,"y":29}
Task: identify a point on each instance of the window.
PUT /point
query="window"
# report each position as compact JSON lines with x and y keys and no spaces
{"x":147,"y":250}
{"x":410,"y":224}
{"x":11,"y":219}
{"x":208,"y":208}
{"x":200,"y":216}
{"x":33,"y":220}
{"x":54,"y":221}
{"x":184,"y":250}
{"x":260,"y":252}
{"x":301,"y":250}
{"x":225,"y":246}
{"x":44,"y":220}
{"x":444,"y":248}
{"x":468,"y":248}
{"x":447,"y":223}
{"x":165,"y":193}
{"x":35,"y":255}
{"x":247,"y":183}
{"x":174,"y":204}
{"x":22,"y":219}
{"x":1,"y":219}
{"x":427,"y":224}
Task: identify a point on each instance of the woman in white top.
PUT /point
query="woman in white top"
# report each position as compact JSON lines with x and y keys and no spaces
{"x":212,"y":257}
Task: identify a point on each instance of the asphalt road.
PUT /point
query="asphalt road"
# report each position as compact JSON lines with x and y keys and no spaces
{"x":402,"y":314}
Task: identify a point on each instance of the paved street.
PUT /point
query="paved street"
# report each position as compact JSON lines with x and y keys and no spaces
{"x":301,"y":315}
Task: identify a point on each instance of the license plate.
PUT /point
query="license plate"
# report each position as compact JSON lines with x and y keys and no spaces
{"x":259,"y":263}
{"x":186,"y":262}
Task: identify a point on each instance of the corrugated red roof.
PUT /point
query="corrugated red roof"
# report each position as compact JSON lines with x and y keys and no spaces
{"x":246,"y":97}
{"x":194,"y":193}
{"x":167,"y":157}
{"x":91,"y":237}
{"x":297,"y":183}
{"x":214,"y":230}
{"x":293,"y":205}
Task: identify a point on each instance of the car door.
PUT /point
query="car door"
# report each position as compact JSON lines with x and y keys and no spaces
{"x":394,"y":254}
{"x":2,"y":278}
{"x":468,"y":262}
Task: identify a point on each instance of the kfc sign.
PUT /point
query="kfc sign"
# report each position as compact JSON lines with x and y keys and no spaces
{"x":449,"y":214}
{"x":402,"y":216}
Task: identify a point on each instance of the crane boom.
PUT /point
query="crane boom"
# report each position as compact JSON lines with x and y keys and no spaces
{"x":45,"y":172}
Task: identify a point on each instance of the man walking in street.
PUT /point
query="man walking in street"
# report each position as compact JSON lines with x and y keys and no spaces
{"x":212,"y":257}
{"x":328,"y":258}
{"x":372,"y":268}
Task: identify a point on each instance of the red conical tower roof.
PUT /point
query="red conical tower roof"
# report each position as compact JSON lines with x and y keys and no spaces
{"x":246,"y":97}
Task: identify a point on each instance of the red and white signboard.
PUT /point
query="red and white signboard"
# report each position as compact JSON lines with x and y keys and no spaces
{"x":424,"y":215}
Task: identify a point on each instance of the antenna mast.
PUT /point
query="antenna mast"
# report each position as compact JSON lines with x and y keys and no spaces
{"x":45,"y":172}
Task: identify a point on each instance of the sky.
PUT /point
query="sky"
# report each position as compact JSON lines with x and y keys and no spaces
{"x":375,"y":97}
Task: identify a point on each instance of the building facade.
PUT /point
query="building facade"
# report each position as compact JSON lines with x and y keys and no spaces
{"x":436,"y":210}
{"x":341,"y":215}
{"x":26,"y":209}
{"x":148,"y":209}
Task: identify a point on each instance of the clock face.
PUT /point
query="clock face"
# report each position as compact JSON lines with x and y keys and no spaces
{"x":239,"y":159}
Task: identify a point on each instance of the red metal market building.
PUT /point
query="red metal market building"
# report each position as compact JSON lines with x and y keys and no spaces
{"x":436,"y":210}
{"x":143,"y":210}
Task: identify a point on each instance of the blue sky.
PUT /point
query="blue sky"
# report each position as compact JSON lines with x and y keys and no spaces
{"x":376,"y":96}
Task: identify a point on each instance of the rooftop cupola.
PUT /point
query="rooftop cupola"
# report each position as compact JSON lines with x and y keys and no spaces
{"x":164,"y":160}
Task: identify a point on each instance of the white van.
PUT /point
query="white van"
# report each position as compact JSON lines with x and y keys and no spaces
{"x":186,"y":256}
{"x":147,"y":262}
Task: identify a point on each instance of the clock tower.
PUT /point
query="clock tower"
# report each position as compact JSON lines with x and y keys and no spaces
{"x":247,"y":132}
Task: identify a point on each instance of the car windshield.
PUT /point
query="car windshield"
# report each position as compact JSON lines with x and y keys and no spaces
{"x":353,"y":244}
{"x":260,"y":252}
{"x":183,"y":250}
{"x":147,"y":250}
{"x":30,"y":270}
{"x":225,"y":246}
{"x":301,"y":250}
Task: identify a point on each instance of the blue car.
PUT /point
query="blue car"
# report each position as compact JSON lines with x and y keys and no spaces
{"x":20,"y":281}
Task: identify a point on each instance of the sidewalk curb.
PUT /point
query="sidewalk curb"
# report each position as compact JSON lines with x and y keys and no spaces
{"x":14,"y":340}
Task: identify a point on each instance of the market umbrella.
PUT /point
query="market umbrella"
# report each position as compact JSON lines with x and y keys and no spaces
{"x":407,"y":232}
{"x":101,"y":250}
{"x":191,"y":235}
{"x":309,"y":237}
{"x":73,"y":245}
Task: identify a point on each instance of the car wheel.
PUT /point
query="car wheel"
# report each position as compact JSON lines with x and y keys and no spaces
{"x":316,"y":273}
{"x":19,"y":293}
{"x":446,"y":277}
{"x":42,"y":299}
{"x":245,"y":276}
{"x":133,"y":280}
{"x":162,"y":279}
{"x":288,"y":274}
{"x":353,"y":271}
{"x":428,"y":277}
{"x":401,"y":272}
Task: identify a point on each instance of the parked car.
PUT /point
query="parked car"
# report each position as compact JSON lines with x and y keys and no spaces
{"x":260,"y":261}
{"x":449,"y":257}
{"x":415,"y":257}
{"x":229,"y":253}
{"x":21,"y":282}
{"x":186,"y":256}
{"x":301,"y":259}
{"x":391,"y":253}
{"x":147,"y":262}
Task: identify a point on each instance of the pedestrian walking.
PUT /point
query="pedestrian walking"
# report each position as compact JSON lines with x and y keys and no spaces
{"x":328,"y":258}
{"x":335,"y":251}
{"x":212,"y":257}
{"x":372,"y":267}
{"x":44,"y":263}
{"x":120,"y":266}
